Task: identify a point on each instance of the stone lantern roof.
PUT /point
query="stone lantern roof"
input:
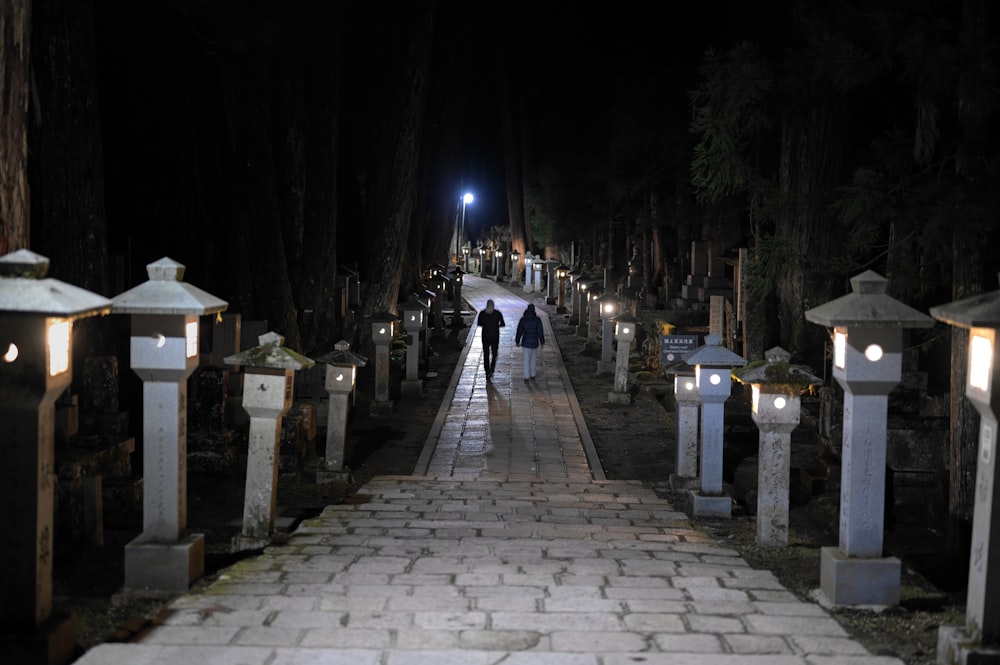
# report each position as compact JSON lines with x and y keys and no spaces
{"x":24,"y":288}
{"x":270,"y":354}
{"x":342,"y":355}
{"x":713,"y":354}
{"x":776,"y":370}
{"x":165,"y":293}
{"x":979,"y":311}
{"x":868,"y":306}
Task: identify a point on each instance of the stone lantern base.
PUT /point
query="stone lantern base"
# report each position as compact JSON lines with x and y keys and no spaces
{"x":164,"y":566}
{"x":615,"y":397}
{"x":955,"y":647}
{"x":704,"y":505}
{"x":53,"y":642}
{"x":847,"y":580}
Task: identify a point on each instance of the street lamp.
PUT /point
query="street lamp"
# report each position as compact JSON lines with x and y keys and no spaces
{"x":466,"y":200}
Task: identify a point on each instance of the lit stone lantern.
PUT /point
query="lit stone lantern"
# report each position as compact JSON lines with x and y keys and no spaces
{"x":482,"y":261}
{"x":436,"y":270}
{"x":609,"y":308}
{"x":383,"y":333}
{"x":414,"y":322}
{"x":562,"y":272}
{"x":268,"y":383}
{"x":515,"y":267}
{"x":550,"y":281}
{"x":439,"y":286}
{"x":580,"y":305}
{"x":625,"y":326}
{"x":164,"y":352}
{"x":456,"y":313}
{"x":713,"y":364}
{"x":776,"y":387}
{"x":593,"y":316}
{"x":465,"y":257}
{"x":688,"y":411}
{"x":36,"y":366}
{"x":341,"y":374}
{"x":498,"y":255}
{"x":979,"y":640}
{"x":529,"y":261}
{"x":867,"y":362}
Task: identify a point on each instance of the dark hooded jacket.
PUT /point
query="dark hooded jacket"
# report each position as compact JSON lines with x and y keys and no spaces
{"x":529,"y":330}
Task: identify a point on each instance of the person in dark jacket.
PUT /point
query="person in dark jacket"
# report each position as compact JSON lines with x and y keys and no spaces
{"x":530,"y":336}
{"x":491,"y":321}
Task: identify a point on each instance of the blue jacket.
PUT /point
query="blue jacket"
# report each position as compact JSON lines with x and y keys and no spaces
{"x":529,"y":330}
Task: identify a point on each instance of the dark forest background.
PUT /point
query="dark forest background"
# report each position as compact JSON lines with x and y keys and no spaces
{"x":267,"y":146}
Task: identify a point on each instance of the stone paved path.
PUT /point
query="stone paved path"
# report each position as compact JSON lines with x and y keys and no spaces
{"x":505,"y":548}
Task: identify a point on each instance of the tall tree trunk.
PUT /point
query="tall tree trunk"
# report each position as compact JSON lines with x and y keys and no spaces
{"x":67,"y":166}
{"x":395,"y":177}
{"x":15,"y":42}
{"x":513,"y":157}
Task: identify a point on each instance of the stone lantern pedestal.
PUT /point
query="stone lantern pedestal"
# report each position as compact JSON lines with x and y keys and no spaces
{"x":580,"y":306}
{"x":414,"y":322}
{"x":268,"y":383}
{"x":36,"y":334}
{"x":713,"y":365}
{"x":383,"y":332}
{"x":340,"y":378}
{"x":164,"y":352}
{"x":868,"y":358}
{"x":776,"y":407}
{"x":593,"y":319}
{"x":608,"y":307}
{"x":456,"y":312}
{"x":688,"y":401}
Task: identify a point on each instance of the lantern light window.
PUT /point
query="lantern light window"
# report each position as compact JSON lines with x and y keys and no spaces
{"x":873,"y":352}
{"x":11,"y":354}
{"x":980,"y":362}
{"x":58,"y":342}
{"x":191,"y":339}
{"x":715,"y":379}
{"x":839,"y":349}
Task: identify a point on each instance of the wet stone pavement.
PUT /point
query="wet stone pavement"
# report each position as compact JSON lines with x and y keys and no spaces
{"x":507,"y":545}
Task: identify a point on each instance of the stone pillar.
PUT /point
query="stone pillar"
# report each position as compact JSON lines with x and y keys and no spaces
{"x":625,"y":326}
{"x":688,"y":412}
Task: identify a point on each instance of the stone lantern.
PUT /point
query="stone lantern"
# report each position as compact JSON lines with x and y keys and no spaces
{"x":482,"y":261}
{"x":580,"y":305}
{"x":562,"y":272}
{"x":625,"y":326}
{"x":609,"y":308}
{"x":867,"y":363}
{"x":465,"y":257}
{"x":341,"y":374}
{"x":383,"y":333}
{"x":593,"y":316}
{"x":979,"y":640}
{"x":529,"y":261}
{"x":456,"y":314}
{"x":515,"y":267}
{"x":414,"y":322}
{"x":688,"y":411}
{"x":164,"y":351}
{"x":550,"y":281}
{"x":439,"y":287}
{"x":776,"y":386}
{"x":498,"y":255}
{"x":36,"y":366}
{"x":713,"y":364}
{"x":268,"y":383}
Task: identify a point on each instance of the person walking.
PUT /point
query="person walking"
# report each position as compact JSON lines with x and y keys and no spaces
{"x":529,"y":337}
{"x":491,"y":321}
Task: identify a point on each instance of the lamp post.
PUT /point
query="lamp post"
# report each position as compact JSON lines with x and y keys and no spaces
{"x":867,"y":362}
{"x":341,"y":374}
{"x":498,"y":255}
{"x":980,"y":637}
{"x":776,"y":386}
{"x":164,"y":352}
{"x":685,"y":475}
{"x":625,"y":326}
{"x":383,"y":332}
{"x":528,"y":261}
{"x":414,"y":321}
{"x":467,"y":198}
{"x":268,"y":383}
{"x":609,"y":308}
{"x":562,"y":272}
{"x":36,"y":326}
{"x":713,"y":365}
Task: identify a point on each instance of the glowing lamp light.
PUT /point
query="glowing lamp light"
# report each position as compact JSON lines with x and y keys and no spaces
{"x":11,"y":354}
{"x":873,"y":352}
{"x":715,"y":379}
{"x":609,"y":308}
{"x":58,"y":339}
{"x":383,"y":327}
{"x":980,"y":361}
{"x":191,"y":339}
{"x":839,"y":349}
{"x":689,"y":385}
{"x":467,"y":198}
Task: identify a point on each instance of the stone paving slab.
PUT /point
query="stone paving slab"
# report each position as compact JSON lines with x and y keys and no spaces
{"x":508,"y":546}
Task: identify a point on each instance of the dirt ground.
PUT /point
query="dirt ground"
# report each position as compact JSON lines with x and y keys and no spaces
{"x":634,"y":442}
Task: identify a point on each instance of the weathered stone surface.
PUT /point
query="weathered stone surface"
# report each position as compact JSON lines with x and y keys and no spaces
{"x":99,"y":385}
